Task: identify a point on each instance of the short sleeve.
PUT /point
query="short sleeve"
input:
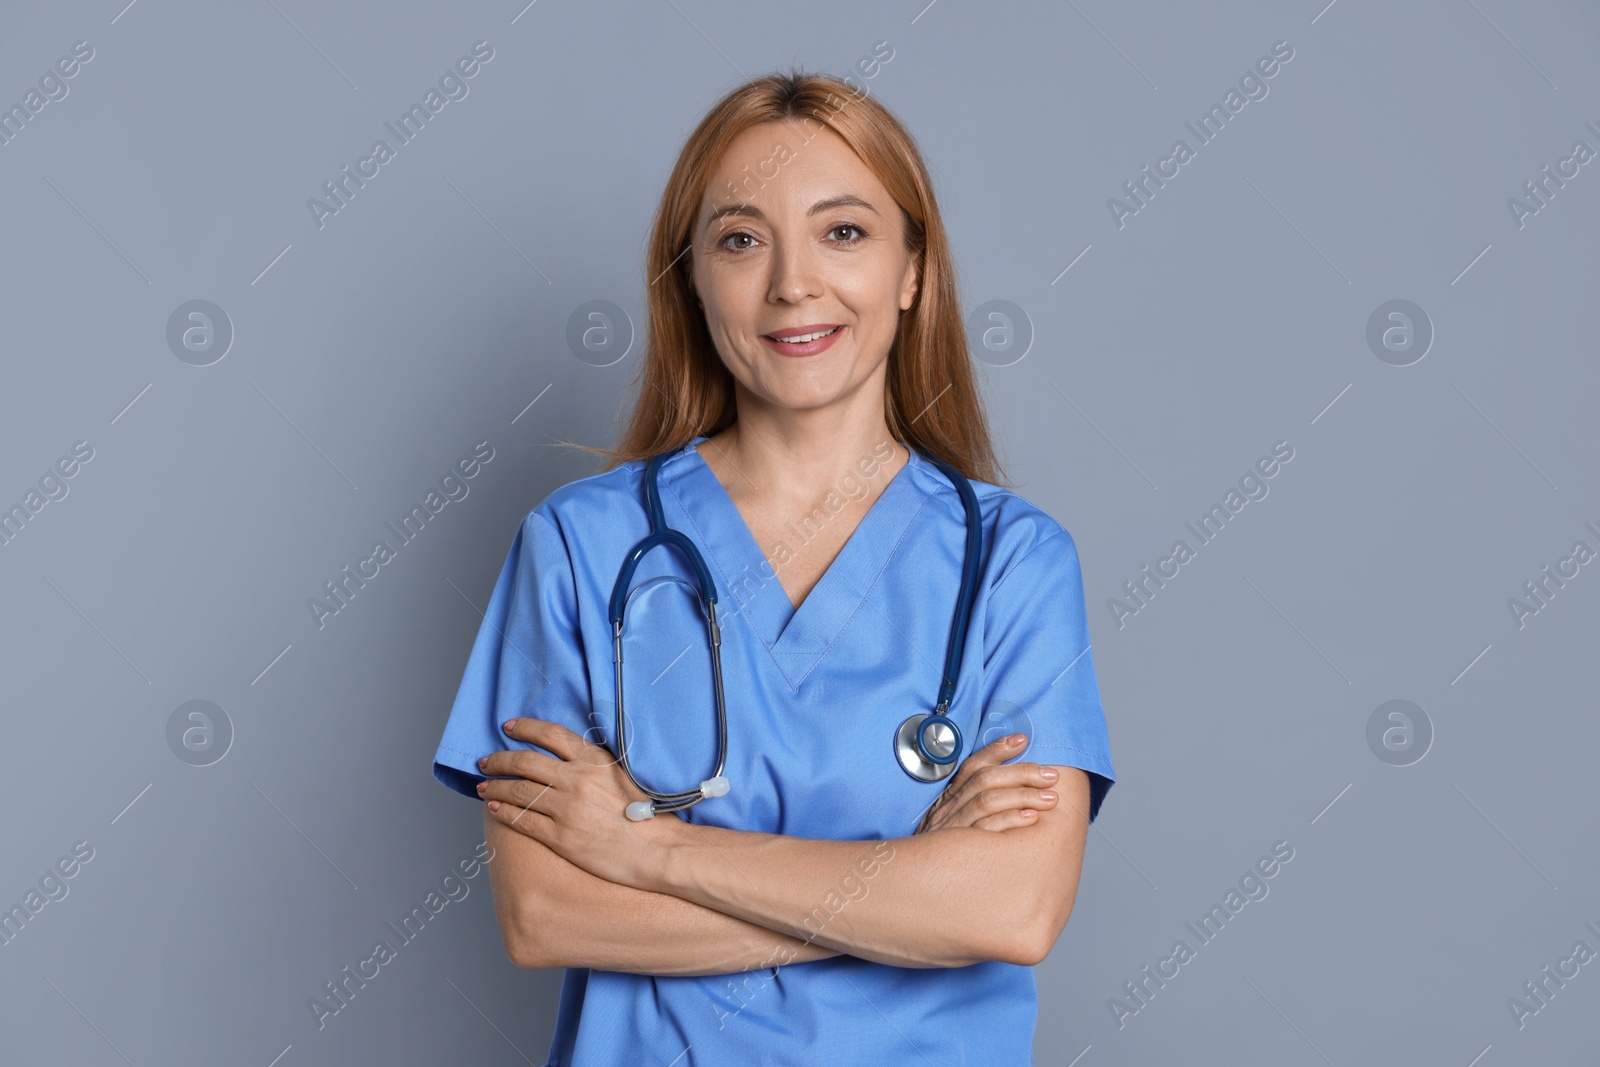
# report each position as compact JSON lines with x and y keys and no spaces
{"x":527,"y":660}
{"x":1038,"y":666}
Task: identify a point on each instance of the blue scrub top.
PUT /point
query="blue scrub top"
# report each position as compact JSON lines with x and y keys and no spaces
{"x":813,"y":699}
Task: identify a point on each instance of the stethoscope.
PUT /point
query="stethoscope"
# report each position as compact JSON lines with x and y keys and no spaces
{"x":927,"y":745}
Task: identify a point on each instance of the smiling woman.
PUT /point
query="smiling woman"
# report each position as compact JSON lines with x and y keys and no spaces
{"x":797,"y":322}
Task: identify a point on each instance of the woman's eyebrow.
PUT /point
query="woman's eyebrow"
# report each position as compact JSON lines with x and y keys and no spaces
{"x":750,"y":210}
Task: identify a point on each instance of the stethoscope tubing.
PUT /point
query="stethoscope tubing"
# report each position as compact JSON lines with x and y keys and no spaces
{"x":969,"y":582}
{"x":674,"y":801}
{"x":934,"y":765}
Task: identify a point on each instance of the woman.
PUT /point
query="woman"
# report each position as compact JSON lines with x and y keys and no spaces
{"x":832,"y":907}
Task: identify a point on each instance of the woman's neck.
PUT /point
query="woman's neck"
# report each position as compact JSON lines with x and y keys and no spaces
{"x":799,"y":466}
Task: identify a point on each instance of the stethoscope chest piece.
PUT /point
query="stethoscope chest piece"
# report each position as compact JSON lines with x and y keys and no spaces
{"x":942,"y":740}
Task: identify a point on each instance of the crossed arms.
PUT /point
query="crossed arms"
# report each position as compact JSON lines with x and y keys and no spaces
{"x":991,"y":874}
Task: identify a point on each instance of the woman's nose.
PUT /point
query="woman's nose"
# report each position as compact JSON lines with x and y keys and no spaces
{"x":796,"y":274}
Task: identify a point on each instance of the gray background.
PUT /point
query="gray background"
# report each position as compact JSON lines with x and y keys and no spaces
{"x":1228,"y":314}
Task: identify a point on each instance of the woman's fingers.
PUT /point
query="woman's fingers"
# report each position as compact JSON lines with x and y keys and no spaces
{"x":990,"y":755}
{"x":577,"y":748}
{"x":514,"y":792}
{"x":992,"y":779}
{"x":520,"y":763}
{"x":1008,"y":820}
{"x":1011,"y":774}
{"x":985,"y":787}
{"x":991,"y":802}
{"x":521,"y":813}
{"x":988,"y":793}
{"x":550,"y":736}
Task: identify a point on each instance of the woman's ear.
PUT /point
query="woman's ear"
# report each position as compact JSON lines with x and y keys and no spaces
{"x":909,"y":286}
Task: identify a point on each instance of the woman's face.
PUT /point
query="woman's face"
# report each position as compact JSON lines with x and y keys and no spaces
{"x":816,"y":245}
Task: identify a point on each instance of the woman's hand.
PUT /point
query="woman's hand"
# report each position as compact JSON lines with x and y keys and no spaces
{"x":988,"y":794}
{"x":574,"y":805}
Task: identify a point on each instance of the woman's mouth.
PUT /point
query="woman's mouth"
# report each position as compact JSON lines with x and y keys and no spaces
{"x":805,"y":342}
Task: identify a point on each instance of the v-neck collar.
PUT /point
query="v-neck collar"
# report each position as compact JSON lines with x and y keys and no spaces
{"x":747,"y":585}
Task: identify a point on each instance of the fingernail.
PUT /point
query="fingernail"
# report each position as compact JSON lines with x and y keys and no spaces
{"x":484,"y":762}
{"x":494,"y":805}
{"x":1017,"y":739}
{"x":1047,"y":795}
{"x":481,"y":787}
{"x":1050,"y":774}
{"x":509,"y":724}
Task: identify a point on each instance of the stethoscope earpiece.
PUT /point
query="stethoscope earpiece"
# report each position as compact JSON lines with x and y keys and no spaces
{"x":640,"y":810}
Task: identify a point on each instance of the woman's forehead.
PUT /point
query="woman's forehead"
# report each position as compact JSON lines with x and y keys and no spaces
{"x":770,"y":166}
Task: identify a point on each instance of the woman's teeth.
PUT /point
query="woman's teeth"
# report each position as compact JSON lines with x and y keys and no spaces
{"x":803,"y":338}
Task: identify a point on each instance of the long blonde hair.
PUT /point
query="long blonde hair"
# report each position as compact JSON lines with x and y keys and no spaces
{"x":931,"y":397}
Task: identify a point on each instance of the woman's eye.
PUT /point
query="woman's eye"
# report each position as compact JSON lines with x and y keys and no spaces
{"x":845,"y":228}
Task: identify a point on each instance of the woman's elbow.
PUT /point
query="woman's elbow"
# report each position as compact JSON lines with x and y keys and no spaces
{"x":530,"y":959}
{"x":1026,"y":946}
{"x":1027,"y":935}
{"x":1021,"y":939}
{"x":532,"y":940}
{"x":518,"y":950}
{"x":1030,"y":948}
{"x":1022,"y":947}
{"x":525,"y":950}
{"x":1042,"y":929}
{"x":525,"y":880}
{"x":513,"y":937}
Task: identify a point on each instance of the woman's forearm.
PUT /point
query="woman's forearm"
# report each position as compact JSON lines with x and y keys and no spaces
{"x":912,"y":910}
{"x":554,"y":914}
{"x":949,"y":898}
